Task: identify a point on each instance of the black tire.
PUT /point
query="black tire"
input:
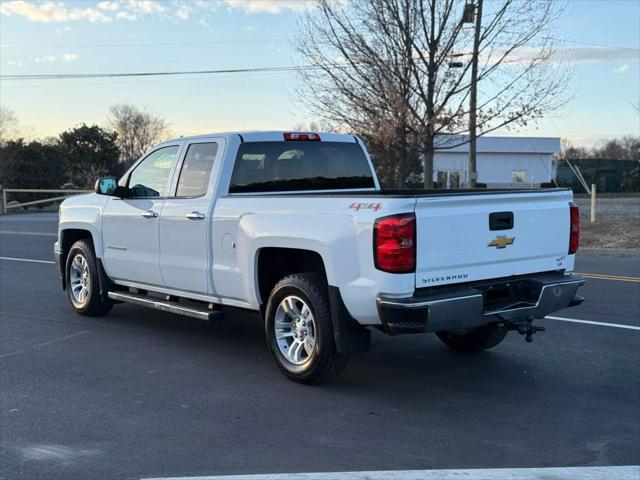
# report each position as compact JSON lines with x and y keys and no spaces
{"x":92,"y":305}
{"x":324,"y":363}
{"x":475,"y":340}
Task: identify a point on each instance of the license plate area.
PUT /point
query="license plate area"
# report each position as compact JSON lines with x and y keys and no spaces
{"x":509,"y":294}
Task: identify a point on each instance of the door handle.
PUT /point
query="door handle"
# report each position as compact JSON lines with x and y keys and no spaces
{"x":195,"y":216}
{"x":149,"y":214}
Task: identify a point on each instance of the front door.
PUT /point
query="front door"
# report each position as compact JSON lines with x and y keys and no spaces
{"x":130,"y":226}
{"x":185,"y":223}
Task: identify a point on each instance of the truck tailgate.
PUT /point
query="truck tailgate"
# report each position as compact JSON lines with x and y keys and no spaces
{"x":457,"y":242}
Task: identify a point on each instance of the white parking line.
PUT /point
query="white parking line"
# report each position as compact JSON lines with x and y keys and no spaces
{"x":26,"y":260}
{"x":630,"y":472}
{"x":43,"y":344}
{"x":591,"y":322}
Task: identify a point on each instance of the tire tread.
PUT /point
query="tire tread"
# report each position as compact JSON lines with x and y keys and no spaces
{"x":96,"y":306}
{"x":329,"y":363}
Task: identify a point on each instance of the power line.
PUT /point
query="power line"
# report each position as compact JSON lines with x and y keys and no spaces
{"x":119,"y":82}
{"x":61,"y":76}
{"x":577,"y":42}
{"x":209,"y":72}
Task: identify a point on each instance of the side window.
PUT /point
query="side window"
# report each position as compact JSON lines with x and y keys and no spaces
{"x":150,"y":177}
{"x":196,"y":170}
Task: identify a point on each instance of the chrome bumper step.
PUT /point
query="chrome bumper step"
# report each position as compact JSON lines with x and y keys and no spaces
{"x":467,"y":306}
{"x":171,"y":306}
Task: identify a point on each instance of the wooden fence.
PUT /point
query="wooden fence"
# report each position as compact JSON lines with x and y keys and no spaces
{"x":67,"y":193}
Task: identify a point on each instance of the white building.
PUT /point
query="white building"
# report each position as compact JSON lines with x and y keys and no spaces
{"x":501,"y":162}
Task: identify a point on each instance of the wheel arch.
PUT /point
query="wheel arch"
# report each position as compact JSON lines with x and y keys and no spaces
{"x":275,"y":263}
{"x":68,"y":237}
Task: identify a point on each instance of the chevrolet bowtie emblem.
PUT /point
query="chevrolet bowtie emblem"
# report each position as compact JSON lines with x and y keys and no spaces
{"x":501,"y":241}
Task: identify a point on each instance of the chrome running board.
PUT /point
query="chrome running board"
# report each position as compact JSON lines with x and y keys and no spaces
{"x":171,"y":306}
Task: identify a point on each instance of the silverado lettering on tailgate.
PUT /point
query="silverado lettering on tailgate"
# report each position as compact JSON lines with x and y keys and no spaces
{"x":445,"y":278}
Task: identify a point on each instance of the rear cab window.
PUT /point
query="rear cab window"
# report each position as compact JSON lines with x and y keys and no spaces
{"x":300,"y":166}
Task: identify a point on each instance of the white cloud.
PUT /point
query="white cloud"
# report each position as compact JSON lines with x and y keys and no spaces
{"x":104,"y":11}
{"x":602,"y":54}
{"x":69,"y":57}
{"x":574,"y":56}
{"x":270,"y":6}
{"x":110,"y":6}
{"x":55,"y":57}
{"x":51,"y":12}
{"x":182,"y":13}
{"x":622,"y":69}
{"x":145,"y":6}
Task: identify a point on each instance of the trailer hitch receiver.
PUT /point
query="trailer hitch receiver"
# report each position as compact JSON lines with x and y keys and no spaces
{"x":526,"y":328}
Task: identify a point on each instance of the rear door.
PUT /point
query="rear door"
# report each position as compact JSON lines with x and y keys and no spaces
{"x":185,"y":223}
{"x":130,"y":226}
{"x":467,"y":237}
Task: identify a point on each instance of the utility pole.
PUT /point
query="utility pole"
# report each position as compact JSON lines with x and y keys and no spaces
{"x":473,"y":98}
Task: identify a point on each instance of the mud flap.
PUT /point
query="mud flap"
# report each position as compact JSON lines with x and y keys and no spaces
{"x":103,"y":281}
{"x":350,"y":337}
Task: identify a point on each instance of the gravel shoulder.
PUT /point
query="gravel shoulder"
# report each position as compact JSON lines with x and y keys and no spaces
{"x":617,"y":225}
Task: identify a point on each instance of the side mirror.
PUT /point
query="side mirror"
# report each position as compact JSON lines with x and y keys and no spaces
{"x":106,"y":186}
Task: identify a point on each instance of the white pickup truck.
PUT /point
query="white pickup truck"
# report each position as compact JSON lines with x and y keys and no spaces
{"x":296,"y":227}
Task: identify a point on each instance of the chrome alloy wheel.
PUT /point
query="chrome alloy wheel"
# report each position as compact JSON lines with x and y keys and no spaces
{"x":80,"y":279}
{"x":295,"y":330}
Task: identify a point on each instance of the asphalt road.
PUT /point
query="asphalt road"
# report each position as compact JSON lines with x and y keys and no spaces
{"x":141,"y":393}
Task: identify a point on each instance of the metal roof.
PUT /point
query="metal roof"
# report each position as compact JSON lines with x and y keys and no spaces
{"x":490,"y":144}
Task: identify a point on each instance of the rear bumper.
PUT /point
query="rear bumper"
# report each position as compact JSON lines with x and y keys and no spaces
{"x":471,"y":306}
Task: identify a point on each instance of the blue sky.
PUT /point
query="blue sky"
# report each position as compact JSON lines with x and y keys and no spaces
{"x":74,"y":36}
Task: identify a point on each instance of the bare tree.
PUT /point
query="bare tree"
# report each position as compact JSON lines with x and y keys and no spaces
{"x":406,"y":64}
{"x":8,"y":124}
{"x":570,"y":151}
{"x":137,"y":129}
{"x":625,"y":148}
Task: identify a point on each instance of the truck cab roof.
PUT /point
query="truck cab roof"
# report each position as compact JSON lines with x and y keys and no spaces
{"x":267,"y":136}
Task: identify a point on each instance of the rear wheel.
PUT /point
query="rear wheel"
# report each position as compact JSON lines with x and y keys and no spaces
{"x":83,"y":288}
{"x":299,"y":330}
{"x":473,"y":340}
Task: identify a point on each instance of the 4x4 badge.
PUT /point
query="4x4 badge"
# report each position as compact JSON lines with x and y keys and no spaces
{"x":501,"y":241}
{"x":365,"y":206}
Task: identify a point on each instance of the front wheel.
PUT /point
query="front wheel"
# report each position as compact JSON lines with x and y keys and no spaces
{"x":299,"y":330}
{"x":83,"y":288}
{"x":473,"y":340}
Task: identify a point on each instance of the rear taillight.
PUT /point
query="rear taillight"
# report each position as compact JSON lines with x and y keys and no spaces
{"x":302,"y":137}
{"x":394,"y":243}
{"x":574,"y":232}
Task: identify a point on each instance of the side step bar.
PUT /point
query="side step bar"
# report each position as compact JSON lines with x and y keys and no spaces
{"x":171,"y":306}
